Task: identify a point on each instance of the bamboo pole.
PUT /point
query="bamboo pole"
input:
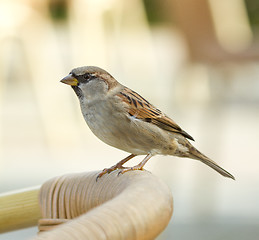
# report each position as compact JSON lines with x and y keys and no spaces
{"x":19,"y":209}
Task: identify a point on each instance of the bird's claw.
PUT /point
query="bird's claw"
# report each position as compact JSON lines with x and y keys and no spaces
{"x":127,"y":169}
{"x":108,"y":170}
{"x":101,"y":174}
{"x":122,"y":171}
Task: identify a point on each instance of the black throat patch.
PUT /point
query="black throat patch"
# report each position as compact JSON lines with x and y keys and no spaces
{"x":78,"y":91}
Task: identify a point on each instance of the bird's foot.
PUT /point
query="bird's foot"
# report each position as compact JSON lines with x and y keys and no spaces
{"x":127,"y":169}
{"x":116,"y":166}
{"x":109,"y":170}
{"x":137,"y":167}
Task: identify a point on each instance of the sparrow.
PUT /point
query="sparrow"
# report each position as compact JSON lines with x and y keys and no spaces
{"x":125,"y":120}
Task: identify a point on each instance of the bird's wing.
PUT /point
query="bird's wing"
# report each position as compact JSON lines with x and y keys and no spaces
{"x":141,"y":109}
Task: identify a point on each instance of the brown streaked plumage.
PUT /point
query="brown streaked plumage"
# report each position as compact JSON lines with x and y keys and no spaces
{"x":141,"y":109}
{"x":123,"y":119}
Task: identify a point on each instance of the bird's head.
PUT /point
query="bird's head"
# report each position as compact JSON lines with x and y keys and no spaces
{"x":90,"y":82}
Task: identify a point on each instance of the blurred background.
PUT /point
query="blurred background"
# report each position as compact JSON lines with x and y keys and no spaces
{"x":195,"y":60}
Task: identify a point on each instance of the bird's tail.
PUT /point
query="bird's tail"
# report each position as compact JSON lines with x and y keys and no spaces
{"x":195,"y":154}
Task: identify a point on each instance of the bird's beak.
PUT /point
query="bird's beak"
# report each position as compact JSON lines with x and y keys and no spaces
{"x":70,"y":80}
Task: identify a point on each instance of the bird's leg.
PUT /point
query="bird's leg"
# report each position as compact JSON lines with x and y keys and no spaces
{"x":116,"y":166}
{"x":137,"y":167}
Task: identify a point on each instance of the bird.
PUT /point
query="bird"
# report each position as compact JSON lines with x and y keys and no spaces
{"x":123,"y":119}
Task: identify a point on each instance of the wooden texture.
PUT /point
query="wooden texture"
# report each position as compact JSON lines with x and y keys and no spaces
{"x":19,"y":210}
{"x":135,"y":205}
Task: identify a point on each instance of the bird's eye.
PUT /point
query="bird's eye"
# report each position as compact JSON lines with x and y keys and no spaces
{"x":87,"y":76}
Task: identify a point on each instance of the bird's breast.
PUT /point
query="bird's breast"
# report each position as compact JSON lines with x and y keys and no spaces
{"x":108,"y":122}
{"x":111,"y":124}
